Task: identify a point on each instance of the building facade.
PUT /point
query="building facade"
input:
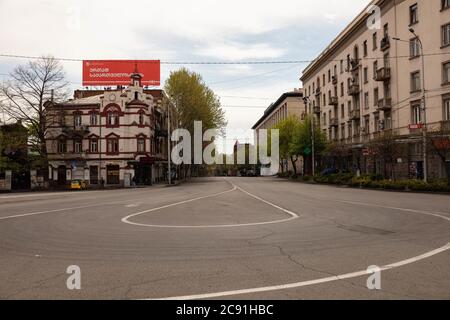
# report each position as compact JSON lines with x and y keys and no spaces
{"x":288,"y":104}
{"x":112,"y":137}
{"x":369,"y":81}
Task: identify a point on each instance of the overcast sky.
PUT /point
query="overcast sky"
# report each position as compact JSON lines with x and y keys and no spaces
{"x":177,"y":30}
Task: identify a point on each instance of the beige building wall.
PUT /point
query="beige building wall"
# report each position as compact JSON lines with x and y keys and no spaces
{"x":361,"y":116}
{"x":397,"y":112}
{"x":288,"y":104}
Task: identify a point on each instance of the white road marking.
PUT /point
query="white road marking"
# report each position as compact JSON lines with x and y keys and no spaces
{"x":310,"y":282}
{"x":428,"y":213}
{"x":292,"y":214}
{"x":45,"y":194}
{"x":326,"y":279}
{"x":133,"y":205}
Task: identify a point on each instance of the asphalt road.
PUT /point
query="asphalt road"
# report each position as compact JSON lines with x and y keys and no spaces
{"x":225,"y":238}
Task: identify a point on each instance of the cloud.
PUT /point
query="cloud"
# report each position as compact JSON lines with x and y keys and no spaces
{"x":239,"y":51}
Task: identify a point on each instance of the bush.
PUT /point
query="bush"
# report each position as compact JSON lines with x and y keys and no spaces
{"x":377,"y":182}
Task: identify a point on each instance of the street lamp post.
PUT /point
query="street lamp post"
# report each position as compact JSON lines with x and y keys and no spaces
{"x":169,"y":137}
{"x":306,"y":100}
{"x":423,"y":107}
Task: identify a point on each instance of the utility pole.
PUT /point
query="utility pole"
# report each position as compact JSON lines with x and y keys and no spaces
{"x":424,"y":110}
{"x":313,"y":138}
{"x":423,"y":106}
{"x":169,"y":136}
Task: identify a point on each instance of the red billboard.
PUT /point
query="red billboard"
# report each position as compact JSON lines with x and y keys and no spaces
{"x":118,"y":72}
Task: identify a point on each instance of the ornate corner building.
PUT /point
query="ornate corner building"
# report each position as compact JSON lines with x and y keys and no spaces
{"x":111,"y":137}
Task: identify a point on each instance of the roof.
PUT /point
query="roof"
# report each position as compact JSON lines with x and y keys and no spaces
{"x":275,"y":105}
{"x":356,"y":22}
{"x":84,"y":101}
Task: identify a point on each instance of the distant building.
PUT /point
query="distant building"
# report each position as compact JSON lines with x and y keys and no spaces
{"x":367,"y":83}
{"x":114,"y":137}
{"x":288,"y":104}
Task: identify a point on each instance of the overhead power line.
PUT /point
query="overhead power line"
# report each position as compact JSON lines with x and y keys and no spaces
{"x":224,"y":62}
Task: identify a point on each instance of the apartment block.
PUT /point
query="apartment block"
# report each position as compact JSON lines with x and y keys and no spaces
{"x":372,"y":77}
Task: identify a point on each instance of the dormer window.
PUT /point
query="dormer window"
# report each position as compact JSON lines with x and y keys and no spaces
{"x":136,"y":95}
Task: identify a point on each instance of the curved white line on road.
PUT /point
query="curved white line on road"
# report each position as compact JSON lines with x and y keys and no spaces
{"x":309,"y":282}
{"x":292,"y":214}
{"x":326,"y":279}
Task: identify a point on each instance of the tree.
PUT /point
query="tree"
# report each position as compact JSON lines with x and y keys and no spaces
{"x":440,"y":146}
{"x":286,"y":128}
{"x":25,"y":94}
{"x":387,"y":147}
{"x":194,"y":101}
{"x":302,"y":142}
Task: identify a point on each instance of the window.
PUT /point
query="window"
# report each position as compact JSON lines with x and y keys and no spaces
{"x":77,"y":146}
{"x":366,"y":100}
{"x":366,"y":75}
{"x":93,"y":145}
{"x":112,"y":145}
{"x":445,"y":4}
{"x":94,"y":119}
{"x":77,"y":120}
{"x":329,"y":75}
{"x":342,"y":111}
{"x":446,"y":35}
{"x":342,"y":89}
{"x":374,"y":41}
{"x":415,"y":81}
{"x":62,"y":119}
{"x":413,"y":14}
{"x":365,"y":48}
{"x":416,"y":114}
{"x":141,"y":118}
{"x":386,"y":30}
{"x":446,"y":73}
{"x":376,"y":122}
{"x":62,"y":146}
{"x":414,"y":48}
{"x":447,"y":109}
{"x":375,"y":96}
{"x":113,"y":118}
{"x":141,"y":145}
{"x":375,"y":68}
{"x":342,"y":66}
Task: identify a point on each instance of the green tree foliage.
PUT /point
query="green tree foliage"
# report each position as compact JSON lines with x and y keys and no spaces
{"x":287,"y":128}
{"x":302,"y":140}
{"x":194,"y":101}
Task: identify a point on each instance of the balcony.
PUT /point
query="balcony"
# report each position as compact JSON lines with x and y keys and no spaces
{"x":385,"y":43}
{"x":385,"y":104}
{"x":76,"y":130}
{"x":316,"y":110}
{"x":354,"y":64}
{"x":334,"y":101}
{"x":355,"y":115}
{"x":383,"y":74}
{"x":353,"y":90}
{"x":334,"y":80}
{"x":318,"y":90}
{"x":334,"y":122}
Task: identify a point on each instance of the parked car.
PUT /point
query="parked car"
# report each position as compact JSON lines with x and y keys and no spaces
{"x":78,"y":184}
{"x":329,"y":171}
